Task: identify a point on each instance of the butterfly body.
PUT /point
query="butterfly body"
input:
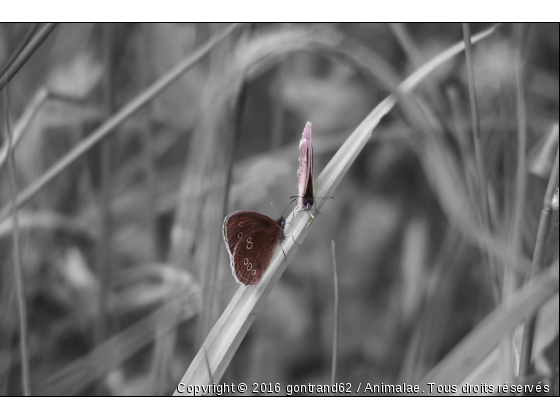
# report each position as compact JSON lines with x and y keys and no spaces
{"x":251,"y":238}
{"x":307,"y":200}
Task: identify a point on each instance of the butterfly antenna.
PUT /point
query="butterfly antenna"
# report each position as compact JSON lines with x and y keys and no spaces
{"x":273,"y":208}
{"x":326,"y":196}
{"x":293,"y":199}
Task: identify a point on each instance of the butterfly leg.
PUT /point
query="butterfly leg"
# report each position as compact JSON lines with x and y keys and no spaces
{"x":311,"y":221}
{"x":293,"y":214}
{"x":308,"y":224}
{"x":292,"y":236}
{"x":327,"y":197}
{"x":285,"y":257}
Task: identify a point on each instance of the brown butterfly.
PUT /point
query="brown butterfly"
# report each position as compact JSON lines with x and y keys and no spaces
{"x":305,"y":185}
{"x":251,"y":238}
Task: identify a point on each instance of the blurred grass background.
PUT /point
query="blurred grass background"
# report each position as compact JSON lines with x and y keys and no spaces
{"x":122,"y":259}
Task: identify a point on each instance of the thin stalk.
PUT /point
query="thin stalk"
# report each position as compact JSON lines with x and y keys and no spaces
{"x":521,"y":173}
{"x":479,"y":343}
{"x":150,"y":172}
{"x":185,"y":214}
{"x":415,"y":56}
{"x":537,"y":267}
{"x":485,"y":209}
{"x":116,"y":120}
{"x":28,"y":36}
{"x":104,"y":244}
{"x":23,"y":122}
{"x":469,"y":169}
{"x":16,"y":253}
{"x":510,"y":282}
{"x":11,"y":70}
{"x":149,"y":165}
{"x":77,"y":375}
{"x":208,"y":367}
{"x":407,"y":43}
{"x":335,"y":325}
{"x":214,"y":244}
{"x":209,"y":313}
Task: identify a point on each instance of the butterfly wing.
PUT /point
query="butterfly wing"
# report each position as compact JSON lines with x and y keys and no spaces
{"x":262,"y":230}
{"x":305,"y":170}
{"x":240,"y":222}
{"x":253,"y":252}
{"x":310,"y":190}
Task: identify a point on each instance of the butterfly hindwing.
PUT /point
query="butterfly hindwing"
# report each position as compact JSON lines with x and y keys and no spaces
{"x":251,"y":238}
{"x":253,"y":253}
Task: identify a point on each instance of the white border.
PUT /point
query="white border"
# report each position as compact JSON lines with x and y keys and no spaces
{"x":287,"y":10}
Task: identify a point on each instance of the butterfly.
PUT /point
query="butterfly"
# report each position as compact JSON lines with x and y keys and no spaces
{"x":305,"y":185}
{"x":251,"y":238}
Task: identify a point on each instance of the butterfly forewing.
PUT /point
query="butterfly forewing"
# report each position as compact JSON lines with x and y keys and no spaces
{"x":240,"y":222}
{"x":305,"y":171}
